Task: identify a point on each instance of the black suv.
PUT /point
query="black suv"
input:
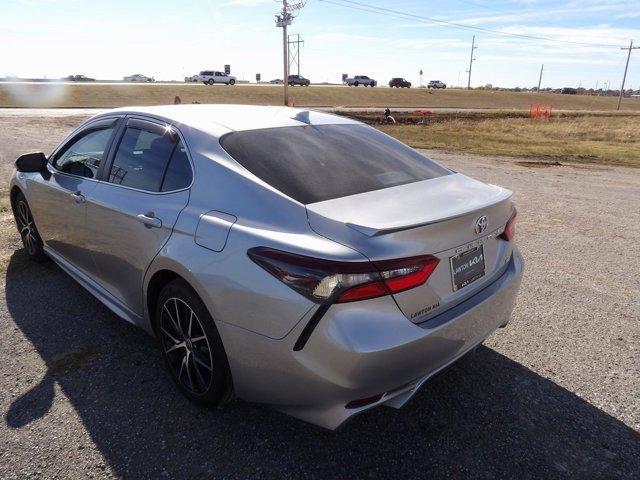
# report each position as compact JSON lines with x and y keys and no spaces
{"x":298,"y":80}
{"x":399,"y":83}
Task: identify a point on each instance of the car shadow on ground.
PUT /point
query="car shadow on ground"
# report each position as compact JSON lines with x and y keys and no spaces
{"x":487,"y":416}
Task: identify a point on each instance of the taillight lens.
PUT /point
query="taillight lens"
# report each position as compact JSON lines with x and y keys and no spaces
{"x":510,"y":227}
{"x":338,"y":282}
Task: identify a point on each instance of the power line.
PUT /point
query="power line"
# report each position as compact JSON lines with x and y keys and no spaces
{"x":421,"y":18}
{"x":508,"y":12}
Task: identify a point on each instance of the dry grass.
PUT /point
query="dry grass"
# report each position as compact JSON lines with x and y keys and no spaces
{"x":110,"y":95}
{"x":603,"y":140}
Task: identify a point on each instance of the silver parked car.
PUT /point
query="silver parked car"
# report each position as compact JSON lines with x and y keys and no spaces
{"x":138,"y":77}
{"x":289,"y":257}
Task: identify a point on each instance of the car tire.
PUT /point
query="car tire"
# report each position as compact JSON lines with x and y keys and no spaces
{"x":355,"y":84}
{"x":211,"y":81}
{"x":191,"y":346}
{"x":31,"y":240}
{"x":232,"y":82}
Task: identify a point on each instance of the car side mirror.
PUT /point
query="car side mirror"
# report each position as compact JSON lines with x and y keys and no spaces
{"x":33,"y":163}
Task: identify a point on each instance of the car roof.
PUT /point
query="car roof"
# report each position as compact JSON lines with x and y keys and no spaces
{"x":218,"y":119}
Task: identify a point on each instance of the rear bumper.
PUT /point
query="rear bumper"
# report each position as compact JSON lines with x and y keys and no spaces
{"x":357,"y":353}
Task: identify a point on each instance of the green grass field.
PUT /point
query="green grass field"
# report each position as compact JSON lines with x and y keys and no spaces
{"x":587,"y":139}
{"x":113,"y":95}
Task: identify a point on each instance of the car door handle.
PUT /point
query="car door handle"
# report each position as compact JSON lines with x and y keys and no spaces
{"x":150,"y":220}
{"x":78,"y":197}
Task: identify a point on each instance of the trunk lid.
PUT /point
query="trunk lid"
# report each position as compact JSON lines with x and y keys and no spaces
{"x":435,"y":217}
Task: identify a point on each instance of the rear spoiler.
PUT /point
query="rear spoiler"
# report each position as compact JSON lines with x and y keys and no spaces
{"x":374,"y":232}
{"x":410,"y":206}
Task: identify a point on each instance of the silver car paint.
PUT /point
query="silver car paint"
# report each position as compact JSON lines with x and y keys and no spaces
{"x":54,"y":205}
{"x":358,"y":349}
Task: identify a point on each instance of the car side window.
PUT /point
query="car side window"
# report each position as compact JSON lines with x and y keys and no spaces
{"x":178,"y":174}
{"x":84,"y":155}
{"x":152,"y":159}
{"x":141,"y":158}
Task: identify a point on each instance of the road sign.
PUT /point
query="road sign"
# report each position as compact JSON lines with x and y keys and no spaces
{"x":257,"y":77}
{"x":227,"y":69}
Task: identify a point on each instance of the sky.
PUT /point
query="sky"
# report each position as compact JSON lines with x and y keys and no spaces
{"x":171,"y":39}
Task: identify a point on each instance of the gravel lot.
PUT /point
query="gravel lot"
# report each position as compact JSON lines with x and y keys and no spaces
{"x":554,"y":395}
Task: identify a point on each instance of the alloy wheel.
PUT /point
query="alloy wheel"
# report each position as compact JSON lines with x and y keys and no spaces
{"x":186,"y":346}
{"x":27,"y":228}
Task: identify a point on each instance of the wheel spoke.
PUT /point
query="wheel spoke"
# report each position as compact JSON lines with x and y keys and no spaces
{"x":30,"y":243}
{"x":197,"y":360}
{"x":199,"y":376}
{"x":182,"y":364}
{"x":22,"y":212}
{"x":173,"y":322}
{"x":190,"y":323}
{"x":189,"y":372}
{"x":175,"y":304}
{"x":175,"y":347}
{"x":198,"y":339}
{"x":173,"y":339}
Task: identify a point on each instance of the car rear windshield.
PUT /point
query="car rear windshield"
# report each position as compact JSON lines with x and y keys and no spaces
{"x":315,"y":163}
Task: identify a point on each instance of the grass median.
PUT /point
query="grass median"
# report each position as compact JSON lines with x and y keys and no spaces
{"x":601,"y":140}
{"x":86,"y":95}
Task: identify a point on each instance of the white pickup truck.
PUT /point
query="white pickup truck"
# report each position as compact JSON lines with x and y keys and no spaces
{"x":209,"y":77}
{"x":360,"y":80}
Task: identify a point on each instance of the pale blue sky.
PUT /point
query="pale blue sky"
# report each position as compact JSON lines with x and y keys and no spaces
{"x":170,"y":39}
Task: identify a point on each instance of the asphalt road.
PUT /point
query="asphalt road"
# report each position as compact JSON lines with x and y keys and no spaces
{"x":554,"y":395}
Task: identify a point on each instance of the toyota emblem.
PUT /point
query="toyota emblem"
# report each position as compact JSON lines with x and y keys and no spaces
{"x":481,"y":224}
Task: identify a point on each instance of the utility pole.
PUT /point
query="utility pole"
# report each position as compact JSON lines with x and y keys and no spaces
{"x":294,"y":54}
{"x":471,"y":59}
{"x":540,"y":79}
{"x":283,"y":20}
{"x":626,"y":67}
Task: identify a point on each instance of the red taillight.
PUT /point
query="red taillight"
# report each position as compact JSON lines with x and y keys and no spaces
{"x":510,"y":227}
{"x":363,"y":292}
{"x":401,"y":275}
{"x":339,"y":282}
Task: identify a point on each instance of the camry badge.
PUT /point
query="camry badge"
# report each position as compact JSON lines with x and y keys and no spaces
{"x":481,"y":224}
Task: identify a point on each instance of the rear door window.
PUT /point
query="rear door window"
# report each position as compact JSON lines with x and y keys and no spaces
{"x":320,"y":162}
{"x":151,"y":159}
{"x":178,"y":173}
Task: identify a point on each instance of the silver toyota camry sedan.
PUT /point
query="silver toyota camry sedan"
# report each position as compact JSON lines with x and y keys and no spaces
{"x":288,"y":257}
